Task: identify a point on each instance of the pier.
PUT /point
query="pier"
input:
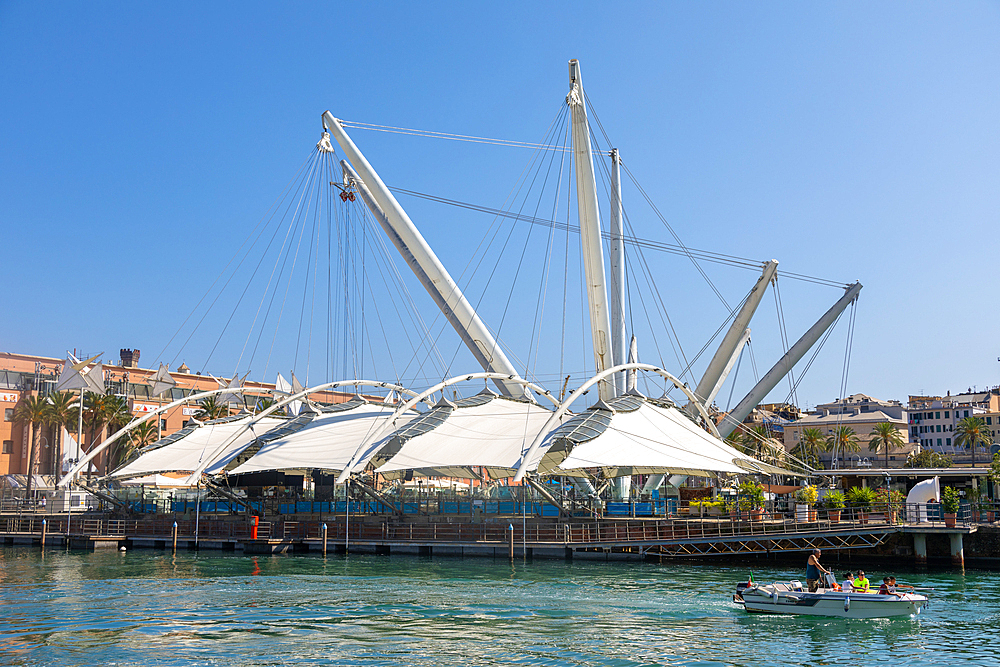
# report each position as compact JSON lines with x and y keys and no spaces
{"x":498,"y":537}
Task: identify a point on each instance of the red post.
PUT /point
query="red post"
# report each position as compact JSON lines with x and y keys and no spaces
{"x":253,"y":527}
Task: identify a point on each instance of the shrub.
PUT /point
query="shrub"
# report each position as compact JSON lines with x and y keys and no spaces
{"x":751,"y":495}
{"x":807,"y":495}
{"x":929,"y":459}
{"x":886,"y":496}
{"x":861,"y":497}
{"x":949,"y":500}
{"x":834,"y":500}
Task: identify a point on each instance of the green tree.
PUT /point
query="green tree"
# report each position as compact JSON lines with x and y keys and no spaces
{"x":928,"y":459}
{"x":31,"y":413}
{"x":59,"y":413}
{"x":263,"y":403}
{"x":810,"y":443}
{"x":211,"y":408}
{"x":885,"y":437}
{"x":140,"y":437}
{"x":972,"y":432}
{"x":844,"y":440}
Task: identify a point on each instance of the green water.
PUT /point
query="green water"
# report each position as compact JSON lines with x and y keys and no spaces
{"x":149,"y":608}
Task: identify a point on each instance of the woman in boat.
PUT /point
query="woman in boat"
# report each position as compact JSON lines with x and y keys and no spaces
{"x":848,"y":585}
{"x":861,"y":582}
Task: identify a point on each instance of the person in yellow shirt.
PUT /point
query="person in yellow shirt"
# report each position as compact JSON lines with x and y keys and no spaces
{"x":861,"y":582}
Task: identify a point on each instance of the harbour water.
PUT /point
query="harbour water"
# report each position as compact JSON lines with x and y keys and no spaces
{"x":151,"y":608}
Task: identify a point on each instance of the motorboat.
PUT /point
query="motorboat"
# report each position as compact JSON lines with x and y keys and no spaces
{"x":790,"y":598}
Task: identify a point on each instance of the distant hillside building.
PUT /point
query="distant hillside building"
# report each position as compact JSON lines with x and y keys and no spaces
{"x":933,"y":418}
{"x":862,"y":413}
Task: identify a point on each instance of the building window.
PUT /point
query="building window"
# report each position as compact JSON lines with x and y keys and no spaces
{"x":966,"y":413}
{"x":939,"y":442}
{"x":8,"y":445}
{"x":948,"y":441}
{"x":939,"y":428}
{"x":937,"y":415}
{"x":8,"y":414}
{"x":163,"y":424}
{"x":184,"y":425}
{"x":989,"y":421}
{"x":946,"y":414}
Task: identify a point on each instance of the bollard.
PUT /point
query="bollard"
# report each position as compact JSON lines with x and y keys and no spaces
{"x":175,"y":538}
{"x":255,"y":520}
{"x":45,"y":526}
{"x":324,"y":540}
{"x":510,"y":550}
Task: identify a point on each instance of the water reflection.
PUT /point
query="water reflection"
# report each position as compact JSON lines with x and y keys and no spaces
{"x":156,"y":608}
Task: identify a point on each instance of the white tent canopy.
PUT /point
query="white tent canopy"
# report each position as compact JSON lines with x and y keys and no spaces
{"x":187,"y":449}
{"x":327,"y":442}
{"x":484,"y":430}
{"x":639,"y":436}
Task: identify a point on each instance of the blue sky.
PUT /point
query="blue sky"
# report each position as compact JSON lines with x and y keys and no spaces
{"x":850,"y":141}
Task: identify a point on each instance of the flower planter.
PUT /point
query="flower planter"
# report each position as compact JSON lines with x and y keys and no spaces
{"x":949,"y":519}
{"x":863,"y":518}
{"x":805,"y":512}
{"x":991,"y":517}
{"x":834,"y":515}
{"x":714,"y":511}
{"x":757,"y":514}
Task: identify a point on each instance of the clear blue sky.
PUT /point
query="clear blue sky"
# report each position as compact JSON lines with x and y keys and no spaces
{"x":139,"y":144}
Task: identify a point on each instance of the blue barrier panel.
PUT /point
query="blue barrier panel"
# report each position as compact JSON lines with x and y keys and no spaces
{"x":644,"y":509}
{"x":617,"y":509}
{"x":507,"y":507}
{"x":207,"y":506}
{"x":177,"y":506}
{"x":449,"y":508}
{"x":322,"y":507}
{"x":465,"y":508}
{"x":671,"y":506}
{"x":550,"y":510}
{"x":223,"y":507}
{"x":286,"y":508}
{"x":303,"y":506}
{"x":411,"y":508}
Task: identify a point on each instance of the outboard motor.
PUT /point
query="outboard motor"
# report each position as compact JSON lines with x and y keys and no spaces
{"x":847,"y":603}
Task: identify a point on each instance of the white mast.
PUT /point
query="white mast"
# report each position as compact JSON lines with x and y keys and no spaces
{"x":425,"y":264}
{"x":590,"y":232}
{"x":617,"y":276}
{"x":734,"y":340}
{"x":785,"y":364}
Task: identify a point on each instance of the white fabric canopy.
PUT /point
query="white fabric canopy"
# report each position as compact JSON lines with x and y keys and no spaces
{"x":483,"y":430}
{"x":327,"y":442}
{"x":187,"y":453}
{"x":643,"y":437}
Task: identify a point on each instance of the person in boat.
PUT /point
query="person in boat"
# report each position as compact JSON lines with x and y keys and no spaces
{"x":884,"y":588}
{"x":861,"y":582}
{"x":848,"y":585}
{"x":813,"y":569}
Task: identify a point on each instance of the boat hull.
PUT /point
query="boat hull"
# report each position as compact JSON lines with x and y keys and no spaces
{"x":831,"y":603}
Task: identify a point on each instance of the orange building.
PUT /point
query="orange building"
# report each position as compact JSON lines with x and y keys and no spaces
{"x":23,"y":375}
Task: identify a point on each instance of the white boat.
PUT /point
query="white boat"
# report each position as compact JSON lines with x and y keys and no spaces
{"x":790,"y":598}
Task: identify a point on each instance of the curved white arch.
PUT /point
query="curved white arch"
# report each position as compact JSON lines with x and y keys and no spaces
{"x":211,"y":458}
{"x":71,"y":475}
{"x":349,"y":468}
{"x":554,"y":419}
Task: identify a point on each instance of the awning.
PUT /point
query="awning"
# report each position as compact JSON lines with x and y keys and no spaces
{"x":326,"y":443}
{"x":631,"y":435}
{"x":187,"y":449}
{"x":482,"y":431}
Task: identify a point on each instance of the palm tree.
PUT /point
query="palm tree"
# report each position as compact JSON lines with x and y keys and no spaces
{"x":59,"y":414}
{"x":843,"y":439}
{"x":139,"y":438}
{"x":263,"y":403}
{"x":885,"y":436}
{"x":31,"y":411}
{"x":211,"y":408}
{"x":96,"y":411}
{"x":118,"y":416}
{"x":810,"y":443}
{"x":971,"y":432}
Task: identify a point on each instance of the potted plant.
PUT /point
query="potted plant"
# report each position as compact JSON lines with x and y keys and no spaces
{"x":805,"y":498}
{"x":834,"y":503}
{"x":861,"y":499}
{"x":891,"y":500}
{"x":973,"y":495}
{"x":751,"y":500}
{"x":949,"y":505}
{"x":713,"y":507}
{"x":994,"y":477}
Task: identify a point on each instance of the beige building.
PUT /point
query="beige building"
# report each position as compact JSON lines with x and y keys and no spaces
{"x":862,"y":413}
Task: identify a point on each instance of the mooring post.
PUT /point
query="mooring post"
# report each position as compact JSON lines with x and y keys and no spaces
{"x":324,"y":540}
{"x":957,"y":550}
{"x":920,"y":548}
{"x":175,"y":538}
{"x":510,"y":543}
{"x":44,"y":528}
